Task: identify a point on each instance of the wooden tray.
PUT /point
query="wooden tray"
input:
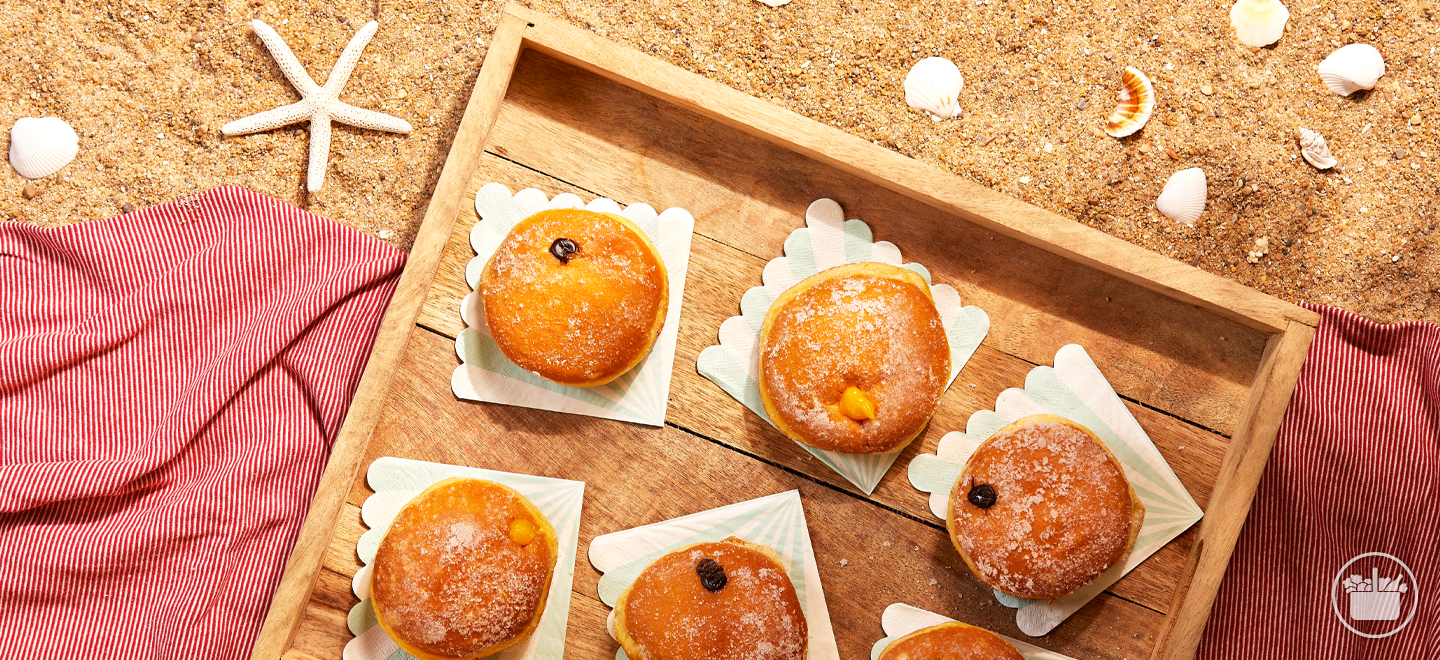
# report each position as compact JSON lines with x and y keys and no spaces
{"x":1206,"y":366}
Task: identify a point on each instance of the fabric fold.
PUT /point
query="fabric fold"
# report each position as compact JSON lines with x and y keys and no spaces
{"x":171,"y":381}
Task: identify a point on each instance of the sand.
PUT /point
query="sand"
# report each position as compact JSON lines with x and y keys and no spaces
{"x":147,"y":86}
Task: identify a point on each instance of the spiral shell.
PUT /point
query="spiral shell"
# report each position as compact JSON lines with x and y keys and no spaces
{"x":934,"y":85}
{"x":1137,"y":103}
{"x":40,"y":146}
{"x":1314,"y":150}
{"x":1183,"y":198}
{"x":1352,"y":68}
{"x":1258,"y":23}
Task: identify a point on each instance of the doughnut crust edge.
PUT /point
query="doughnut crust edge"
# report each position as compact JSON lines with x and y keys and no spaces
{"x":584,"y":320}
{"x":950,"y":641}
{"x":882,"y":336}
{"x":414,"y":567}
{"x":1017,"y":552}
{"x":670,"y":587}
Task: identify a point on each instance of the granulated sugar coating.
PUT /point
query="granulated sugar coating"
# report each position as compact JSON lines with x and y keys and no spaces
{"x":586,"y":319}
{"x":668,"y":613}
{"x":147,"y":86}
{"x":867,"y":330}
{"x":448,"y":578}
{"x":1061,"y":515}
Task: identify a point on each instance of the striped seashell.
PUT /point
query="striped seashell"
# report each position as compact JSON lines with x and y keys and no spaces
{"x":1314,"y":150}
{"x":1183,"y":198}
{"x":40,"y":146}
{"x":1258,"y":23}
{"x":1137,"y":103}
{"x":1352,"y":68}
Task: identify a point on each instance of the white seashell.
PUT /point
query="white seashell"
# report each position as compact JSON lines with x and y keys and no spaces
{"x":1314,"y":149}
{"x":40,"y":146}
{"x":1258,"y":23}
{"x":1352,"y":68}
{"x":1137,"y":103}
{"x":934,"y":85}
{"x":1183,"y":198}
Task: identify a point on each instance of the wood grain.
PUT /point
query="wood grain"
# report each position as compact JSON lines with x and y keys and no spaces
{"x":698,"y":406}
{"x":750,"y":194}
{"x":984,"y":207}
{"x":302,"y":567}
{"x":639,"y":475}
{"x":1196,"y":358}
{"x":1235,"y":488}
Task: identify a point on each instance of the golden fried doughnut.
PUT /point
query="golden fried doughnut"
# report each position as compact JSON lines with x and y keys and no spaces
{"x":719,"y":600}
{"x":464,"y":571}
{"x":1042,"y":509}
{"x":950,"y":641}
{"x":575,"y":296}
{"x":854,"y":359}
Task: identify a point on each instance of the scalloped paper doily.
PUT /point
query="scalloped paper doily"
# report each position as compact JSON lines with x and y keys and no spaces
{"x":776,"y":521}
{"x":485,"y":374}
{"x":1074,"y":388}
{"x":900,"y":620}
{"x":396,"y":481}
{"x":826,"y":241}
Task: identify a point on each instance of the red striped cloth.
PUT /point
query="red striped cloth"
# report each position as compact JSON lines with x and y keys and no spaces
{"x":1354,"y":470}
{"x":170,"y":384}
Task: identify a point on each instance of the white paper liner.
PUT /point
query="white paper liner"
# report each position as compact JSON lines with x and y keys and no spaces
{"x":396,"y":481}
{"x":640,"y":395}
{"x":776,"y":521}
{"x":826,"y":241}
{"x":1074,"y":389}
{"x":900,"y":620}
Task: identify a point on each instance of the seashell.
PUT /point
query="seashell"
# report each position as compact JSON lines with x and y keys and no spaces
{"x":1352,"y":68}
{"x":40,"y":146}
{"x":1183,"y":197}
{"x":1258,"y":23}
{"x":934,"y":85}
{"x":1314,"y":149}
{"x":1137,"y":103}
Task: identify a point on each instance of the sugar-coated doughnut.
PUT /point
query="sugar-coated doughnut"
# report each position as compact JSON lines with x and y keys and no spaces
{"x":854,"y":359}
{"x":1043,"y":508}
{"x":722,"y":600}
{"x":950,"y":641}
{"x":463,"y":571}
{"x":575,"y":296}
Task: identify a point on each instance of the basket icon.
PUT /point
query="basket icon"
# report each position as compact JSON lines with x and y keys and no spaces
{"x":1376,"y":598}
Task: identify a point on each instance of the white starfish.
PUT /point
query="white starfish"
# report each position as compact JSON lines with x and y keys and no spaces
{"x":318,"y":104}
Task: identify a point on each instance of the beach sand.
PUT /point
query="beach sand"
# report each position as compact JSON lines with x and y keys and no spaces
{"x":147,"y":85}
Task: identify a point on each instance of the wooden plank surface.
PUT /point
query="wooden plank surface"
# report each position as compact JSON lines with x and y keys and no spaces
{"x":301,"y":569}
{"x":697,"y":405}
{"x":984,"y":207}
{"x":1181,"y":347}
{"x":639,"y":475}
{"x":1235,"y":487}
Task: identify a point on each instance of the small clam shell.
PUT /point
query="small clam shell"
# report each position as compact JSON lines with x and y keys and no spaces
{"x":1183,"y":197}
{"x":1137,"y":103}
{"x":40,"y":146}
{"x":1314,"y":150}
{"x":934,"y":85}
{"x":1258,"y":23}
{"x":1352,"y":68}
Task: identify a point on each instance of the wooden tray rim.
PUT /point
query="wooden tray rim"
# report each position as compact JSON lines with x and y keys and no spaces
{"x":1290,"y":328}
